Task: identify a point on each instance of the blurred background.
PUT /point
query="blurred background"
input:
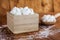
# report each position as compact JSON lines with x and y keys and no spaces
{"x":40,"y":6}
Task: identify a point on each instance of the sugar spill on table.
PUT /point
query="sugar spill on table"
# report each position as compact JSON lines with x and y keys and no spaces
{"x":4,"y":25}
{"x":41,"y":34}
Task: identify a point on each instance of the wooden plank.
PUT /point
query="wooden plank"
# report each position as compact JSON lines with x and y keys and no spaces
{"x":20,"y":3}
{"x":38,"y":6}
{"x":57,"y":5}
{"x":47,"y":5}
{"x":5,"y":4}
{"x":12,"y":3}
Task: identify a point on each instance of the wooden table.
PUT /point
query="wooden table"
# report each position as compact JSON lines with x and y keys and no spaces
{"x":6,"y":34}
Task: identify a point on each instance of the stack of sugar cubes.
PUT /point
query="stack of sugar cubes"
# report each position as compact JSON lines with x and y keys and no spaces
{"x":48,"y":19}
{"x":22,"y":11}
{"x":21,"y":20}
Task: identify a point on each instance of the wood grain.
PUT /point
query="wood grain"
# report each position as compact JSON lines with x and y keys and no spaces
{"x":57,"y":5}
{"x":47,"y":5}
